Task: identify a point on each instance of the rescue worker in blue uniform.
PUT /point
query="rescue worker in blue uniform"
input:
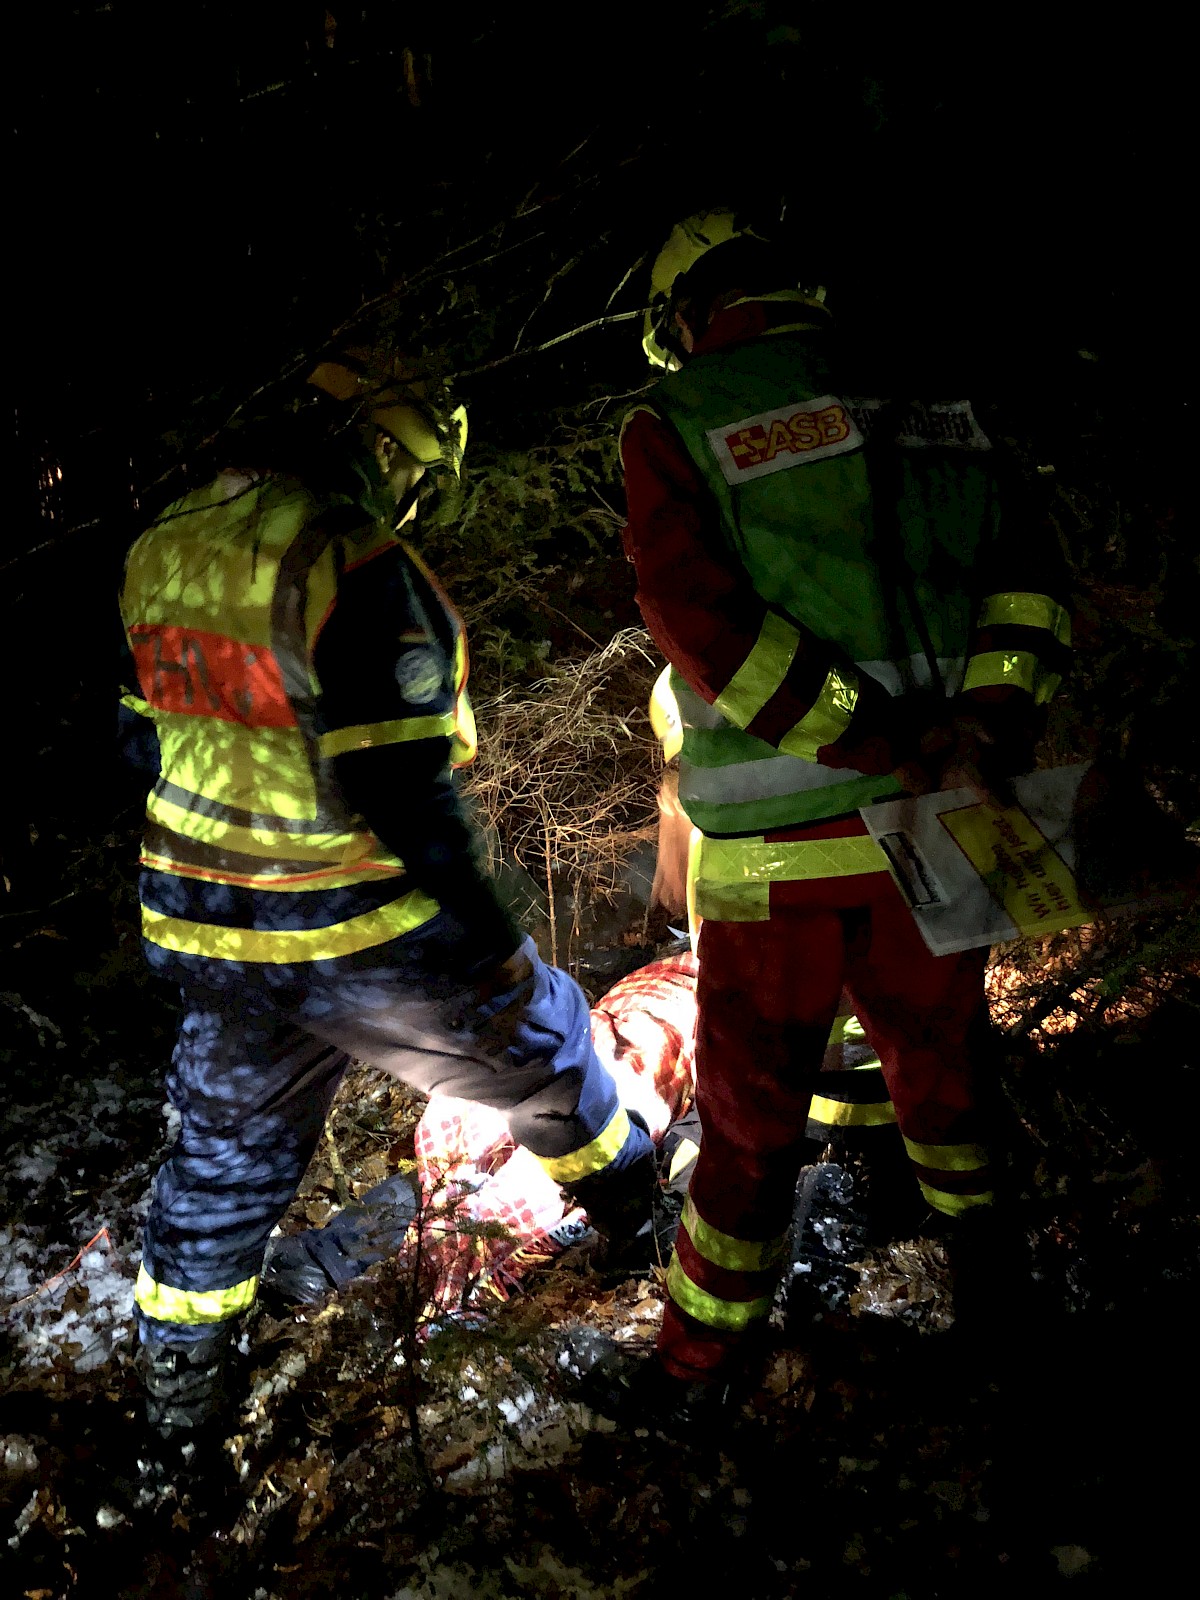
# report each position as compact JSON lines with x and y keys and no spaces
{"x":309,"y":877}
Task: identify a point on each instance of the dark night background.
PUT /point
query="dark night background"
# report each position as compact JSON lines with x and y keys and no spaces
{"x":995,"y":198}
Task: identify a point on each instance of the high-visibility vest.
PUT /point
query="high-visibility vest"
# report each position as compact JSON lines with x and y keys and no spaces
{"x":783,"y":458}
{"x":222,"y":602}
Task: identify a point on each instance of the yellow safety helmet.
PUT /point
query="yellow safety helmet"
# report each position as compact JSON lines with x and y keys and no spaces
{"x":688,"y":241}
{"x":430,"y":433}
{"x":664,"y":716}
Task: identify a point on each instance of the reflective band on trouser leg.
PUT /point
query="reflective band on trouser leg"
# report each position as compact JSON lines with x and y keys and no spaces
{"x":732,"y":1316}
{"x":952,"y":1203}
{"x":734,"y":876}
{"x":593,"y":1157}
{"x":762,"y":672}
{"x":723,"y":1250}
{"x":192,"y":1306}
{"x":948,"y":1157}
{"x":826,"y":719}
{"x":1018,"y":669}
{"x":953,"y":1177}
{"x":832,"y":1113}
{"x":1027,"y":611}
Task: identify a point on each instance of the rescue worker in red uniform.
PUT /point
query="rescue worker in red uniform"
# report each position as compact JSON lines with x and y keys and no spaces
{"x":309,"y":878}
{"x":847,"y":618}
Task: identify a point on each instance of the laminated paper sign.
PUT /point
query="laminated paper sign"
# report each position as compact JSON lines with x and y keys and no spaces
{"x":978,"y":874}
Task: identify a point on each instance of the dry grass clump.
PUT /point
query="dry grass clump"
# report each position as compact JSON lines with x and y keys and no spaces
{"x":568,"y":769}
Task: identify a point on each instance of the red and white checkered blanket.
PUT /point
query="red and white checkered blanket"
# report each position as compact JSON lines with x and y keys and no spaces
{"x":490,"y":1207}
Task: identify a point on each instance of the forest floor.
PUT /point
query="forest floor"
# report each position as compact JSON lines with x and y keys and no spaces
{"x":886,"y":1449}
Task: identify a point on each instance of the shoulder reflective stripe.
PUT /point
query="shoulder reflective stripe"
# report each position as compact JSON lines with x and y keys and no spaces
{"x":912,"y":672}
{"x":732,"y":1315}
{"x":287,"y":882}
{"x":593,"y":1157}
{"x":948,"y":1157}
{"x":133,"y":702}
{"x":1018,"y":669}
{"x":723,"y":1250}
{"x":1028,"y":610}
{"x":192,"y":1306}
{"x":828,"y":718}
{"x":369,"y":735}
{"x":847,"y":1114}
{"x":628,"y":418}
{"x":953,"y":1205}
{"x":762,"y":672}
{"x":287,"y":945}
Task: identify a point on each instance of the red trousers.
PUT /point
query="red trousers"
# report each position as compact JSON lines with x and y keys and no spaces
{"x":768,"y":993}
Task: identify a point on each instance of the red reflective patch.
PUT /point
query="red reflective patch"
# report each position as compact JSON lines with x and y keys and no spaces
{"x":208,"y":675}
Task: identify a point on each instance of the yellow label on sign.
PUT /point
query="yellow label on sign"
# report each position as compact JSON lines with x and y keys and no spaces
{"x":1022,"y":870}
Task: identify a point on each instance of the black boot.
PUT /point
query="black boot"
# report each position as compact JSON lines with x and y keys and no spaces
{"x":187,"y":1387}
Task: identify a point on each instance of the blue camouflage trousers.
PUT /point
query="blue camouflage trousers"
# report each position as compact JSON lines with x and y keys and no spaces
{"x":254,"y":1073}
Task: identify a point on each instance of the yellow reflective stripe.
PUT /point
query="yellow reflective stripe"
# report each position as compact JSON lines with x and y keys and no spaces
{"x":851,"y":1114}
{"x":733,"y":1315}
{"x":761,"y":673}
{"x":134,"y":702}
{"x":464,"y":743}
{"x":735,"y":861}
{"x":685,"y":1153}
{"x":628,"y":418}
{"x":367,"y":735}
{"x":948,"y":1157}
{"x":284,"y":883}
{"x":733,"y":877}
{"x":1018,"y":669}
{"x":164,"y":1304}
{"x":1028,"y":611}
{"x":953,"y":1205}
{"x":283,"y":945}
{"x":826,"y":719}
{"x":723,"y":1250}
{"x":592,"y":1157}
{"x":270,"y":843}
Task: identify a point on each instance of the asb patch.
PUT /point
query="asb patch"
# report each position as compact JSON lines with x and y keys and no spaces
{"x":789,"y":436}
{"x":919,"y":424}
{"x":419,"y":674}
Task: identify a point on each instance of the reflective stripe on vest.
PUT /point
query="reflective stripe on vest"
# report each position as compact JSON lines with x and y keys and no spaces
{"x":592,"y":1157}
{"x":734,"y":876}
{"x":730,"y":782}
{"x":192,"y":1306}
{"x":223,"y":599}
{"x":285,"y":946}
{"x":784,"y":464}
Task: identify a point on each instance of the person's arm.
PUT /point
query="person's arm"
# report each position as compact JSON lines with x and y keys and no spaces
{"x":386,"y":714}
{"x":137,"y":737}
{"x":766,"y":674}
